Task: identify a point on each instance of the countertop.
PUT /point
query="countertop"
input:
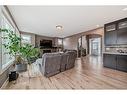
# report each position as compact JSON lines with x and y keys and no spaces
{"x":116,"y":53}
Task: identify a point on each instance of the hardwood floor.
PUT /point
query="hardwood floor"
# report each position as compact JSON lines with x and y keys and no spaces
{"x":88,"y":73}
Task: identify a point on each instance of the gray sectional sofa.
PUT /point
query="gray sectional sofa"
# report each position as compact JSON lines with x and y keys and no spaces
{"x":54,"y":63}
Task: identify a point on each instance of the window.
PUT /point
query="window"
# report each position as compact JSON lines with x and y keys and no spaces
{"x":0,"y":46}
{"x":26,"y":39}
{"x":6,"y":59}
{"x":59,"y":41}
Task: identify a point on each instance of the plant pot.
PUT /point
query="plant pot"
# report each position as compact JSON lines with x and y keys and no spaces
{"x":21,"y":67}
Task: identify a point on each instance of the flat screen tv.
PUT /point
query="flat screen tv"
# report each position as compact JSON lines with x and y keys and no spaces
{"x":46,"y":43}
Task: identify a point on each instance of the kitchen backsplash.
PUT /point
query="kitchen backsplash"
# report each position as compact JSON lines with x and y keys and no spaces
{"x":115,"y":49}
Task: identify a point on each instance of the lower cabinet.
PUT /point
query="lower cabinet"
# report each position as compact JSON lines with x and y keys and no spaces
{"x":109,"y":61}
{"x":122,"y":62}
{"x":118,"y":62}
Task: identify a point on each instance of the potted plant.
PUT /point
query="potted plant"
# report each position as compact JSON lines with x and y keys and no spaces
{"x":13,"y":46}
{"x":21,"y":66}
{"x":22,"y":54}
{"x":29,"y":52}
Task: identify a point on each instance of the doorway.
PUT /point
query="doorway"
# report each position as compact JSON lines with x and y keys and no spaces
{"x":82,"y":46}
{"x":95,"y":46}
{"x":79,"y":47}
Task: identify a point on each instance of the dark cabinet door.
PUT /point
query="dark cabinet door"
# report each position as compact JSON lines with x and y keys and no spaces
{"x":122,"y":36}
{"x":110,"y":34}
{"x":116,"y":32}
{"x":122,"y":63}
{"x":110,"y":38}
{"x":109,"y":60}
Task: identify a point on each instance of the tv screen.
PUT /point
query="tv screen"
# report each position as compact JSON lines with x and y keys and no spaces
{"x":46,"y":43}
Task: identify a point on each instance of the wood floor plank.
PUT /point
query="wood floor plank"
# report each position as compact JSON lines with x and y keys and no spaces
{"x":88,"y":73}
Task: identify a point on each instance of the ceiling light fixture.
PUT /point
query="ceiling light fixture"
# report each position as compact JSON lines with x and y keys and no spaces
{"x":97,"y":25}
{"x":59,"y":27}
{"x":124,"y":9}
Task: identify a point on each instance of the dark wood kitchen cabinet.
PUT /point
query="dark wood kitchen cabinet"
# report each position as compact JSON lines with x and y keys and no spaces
{"x":122,"y":23}
{"x":110,"y":34}
{"x":122,"y":63}
{"x":122,"y":32}
{"x":109,"y":61}
{"x":111,"y":38}
{"x":115,"y":33}
{"x":122,"y":36}
{"x":117,"y":62}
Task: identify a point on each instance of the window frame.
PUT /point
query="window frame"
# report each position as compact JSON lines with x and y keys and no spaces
{"x":0,"y":41}
{"x":3,"y":67}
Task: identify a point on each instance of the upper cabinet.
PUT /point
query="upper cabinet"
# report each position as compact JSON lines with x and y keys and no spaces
{"x":122,"y":36}
{"x":122,"y":32}
{"x":110,"y":34}
{"x":110,"y":27}
{"x":116,"y":33}
{"x":122,"y":24}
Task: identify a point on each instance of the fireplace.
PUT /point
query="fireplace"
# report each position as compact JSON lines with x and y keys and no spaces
{"x":46,"y":51}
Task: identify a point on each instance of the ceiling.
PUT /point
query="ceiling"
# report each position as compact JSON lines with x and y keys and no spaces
{"x":43,"y":20}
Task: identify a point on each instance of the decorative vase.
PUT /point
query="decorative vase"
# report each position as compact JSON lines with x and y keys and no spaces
{"x":21,"y":67}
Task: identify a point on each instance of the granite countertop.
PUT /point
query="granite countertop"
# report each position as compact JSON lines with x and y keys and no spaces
{"x":116,"y":53}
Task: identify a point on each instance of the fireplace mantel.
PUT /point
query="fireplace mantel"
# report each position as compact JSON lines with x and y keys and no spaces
{"x":49,"y":50}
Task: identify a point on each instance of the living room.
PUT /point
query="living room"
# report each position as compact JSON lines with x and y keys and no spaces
{"x":60,"y":47}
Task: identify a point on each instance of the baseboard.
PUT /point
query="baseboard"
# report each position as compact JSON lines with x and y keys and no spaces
{"x":5,"y":84}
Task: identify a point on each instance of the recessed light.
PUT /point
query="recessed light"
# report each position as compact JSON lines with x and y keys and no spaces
{"x":97,"y":25}
{"x":124,"y":9}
